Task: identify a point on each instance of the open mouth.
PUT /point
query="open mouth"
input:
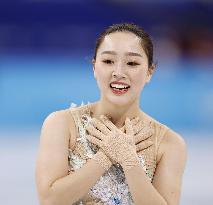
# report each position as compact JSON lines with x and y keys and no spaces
{"x":119,"y":89}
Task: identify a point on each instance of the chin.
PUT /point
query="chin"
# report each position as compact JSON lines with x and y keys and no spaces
{"x":119,"y":100}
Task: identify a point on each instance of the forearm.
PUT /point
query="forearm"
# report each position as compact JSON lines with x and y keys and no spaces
{"x":142,"y":190}
{"x":69,"y":189}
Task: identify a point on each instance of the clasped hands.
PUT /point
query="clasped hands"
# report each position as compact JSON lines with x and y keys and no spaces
{"x":116,"y":145}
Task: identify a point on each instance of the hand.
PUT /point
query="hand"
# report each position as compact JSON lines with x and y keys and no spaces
{"x":102,"y":159}
{"x":118,"y":146}
{"x":142,"y":133}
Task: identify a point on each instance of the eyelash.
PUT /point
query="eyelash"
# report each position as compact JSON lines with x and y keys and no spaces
{"x":133,"y":63}
{"x":107,"y":61}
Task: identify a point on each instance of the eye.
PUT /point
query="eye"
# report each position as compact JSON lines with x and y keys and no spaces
{"x":133,"y":63}
{"x":108,"y":61}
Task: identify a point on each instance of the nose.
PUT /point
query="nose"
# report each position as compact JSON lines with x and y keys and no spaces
{"x":119,"y":71}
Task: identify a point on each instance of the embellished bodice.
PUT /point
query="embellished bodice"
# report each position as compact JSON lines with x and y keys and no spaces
{"x":112,"y":187}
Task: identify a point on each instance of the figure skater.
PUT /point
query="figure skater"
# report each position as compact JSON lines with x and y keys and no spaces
{"x":110,"y":151}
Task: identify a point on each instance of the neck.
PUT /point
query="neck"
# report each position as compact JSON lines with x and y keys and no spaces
{"x":116,"y":113}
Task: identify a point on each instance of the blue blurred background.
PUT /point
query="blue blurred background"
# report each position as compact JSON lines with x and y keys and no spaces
{"x":46,"y":48}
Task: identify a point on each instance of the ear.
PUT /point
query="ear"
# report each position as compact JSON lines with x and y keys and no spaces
{"x":150,"y":72}
{"x":94,"y":71}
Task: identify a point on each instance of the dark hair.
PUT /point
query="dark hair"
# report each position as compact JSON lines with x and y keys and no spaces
{"x":145,"y":39}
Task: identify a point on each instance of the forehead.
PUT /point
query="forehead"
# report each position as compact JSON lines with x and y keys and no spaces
{"x":121,"y":41}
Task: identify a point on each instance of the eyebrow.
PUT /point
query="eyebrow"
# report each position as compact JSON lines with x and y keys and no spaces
{"x":127,"y":53}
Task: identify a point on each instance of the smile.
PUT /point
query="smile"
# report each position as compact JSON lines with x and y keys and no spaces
{"x":119,"y":91}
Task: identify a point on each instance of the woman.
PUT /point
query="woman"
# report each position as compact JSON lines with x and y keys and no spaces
{"x":117,"y":154}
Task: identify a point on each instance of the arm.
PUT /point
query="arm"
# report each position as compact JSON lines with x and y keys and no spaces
{"x":167,"y":180}
{"x":54,"y":186}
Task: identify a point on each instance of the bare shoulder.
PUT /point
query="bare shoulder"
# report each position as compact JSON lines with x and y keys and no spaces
{"x":61,"y":123}
{"x":55,"y":133}
{"x":173,"y":139}
{"x":51,"y":163}
{"x":173,"y":144}
{"x":58,"y":118}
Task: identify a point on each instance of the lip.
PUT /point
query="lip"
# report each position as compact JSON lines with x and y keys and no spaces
{"x":119,"y":92}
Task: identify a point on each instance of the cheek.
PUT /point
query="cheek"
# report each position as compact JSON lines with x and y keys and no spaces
{"x":139,"y":80}
{"x":102,"y":77}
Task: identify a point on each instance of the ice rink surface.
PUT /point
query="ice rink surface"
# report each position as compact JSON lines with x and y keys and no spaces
{"x":17,"y":175}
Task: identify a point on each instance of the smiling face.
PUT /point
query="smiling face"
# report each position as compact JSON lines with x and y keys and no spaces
{"x":121,"y":58}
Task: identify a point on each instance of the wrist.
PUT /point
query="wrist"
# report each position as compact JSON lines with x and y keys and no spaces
{"x":130,"y":162}
{"x":101,"y":158}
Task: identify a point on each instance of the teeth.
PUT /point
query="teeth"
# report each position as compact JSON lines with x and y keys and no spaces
{"x":119,"y":86}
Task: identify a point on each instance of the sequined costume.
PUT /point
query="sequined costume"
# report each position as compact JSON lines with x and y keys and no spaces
{"x":111,"y":188}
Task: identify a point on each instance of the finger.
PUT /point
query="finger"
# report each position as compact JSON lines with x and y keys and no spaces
{"x":142,"y":126}
{"x":100,"y":126}
{"x":135,"y":120}
{"x":139,"y":126}
{"x":141,"y":136}
{"x":94,"y":140}
{"x":129,"y":128}
{"x":93,"y":131}
{"x":143,"y":145}
{"x":108,"y":123}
